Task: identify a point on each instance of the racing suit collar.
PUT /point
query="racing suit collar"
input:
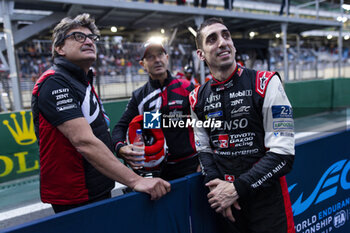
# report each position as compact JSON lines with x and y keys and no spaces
{"x":76,"y":71}
{"x":219,"y":86}
{"x":156,"y":83}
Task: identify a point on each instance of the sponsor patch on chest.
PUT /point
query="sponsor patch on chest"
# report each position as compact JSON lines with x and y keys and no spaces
{"x":175,"y":102}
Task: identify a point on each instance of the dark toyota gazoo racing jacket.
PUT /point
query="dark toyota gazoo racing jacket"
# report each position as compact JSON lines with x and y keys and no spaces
{"x":62,"y":93}
{"x":171,"y":99}
{"x":253,"y":147}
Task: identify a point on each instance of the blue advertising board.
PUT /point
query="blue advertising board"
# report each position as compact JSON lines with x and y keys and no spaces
{"x":129,"y":213}
{"x":319,"y":185}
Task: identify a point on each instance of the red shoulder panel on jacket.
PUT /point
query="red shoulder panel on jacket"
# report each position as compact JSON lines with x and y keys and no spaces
{"x":182,"y":89}
{"x":41,"y":79}
{"x":193,"y":97}
{"x":262,"y":80}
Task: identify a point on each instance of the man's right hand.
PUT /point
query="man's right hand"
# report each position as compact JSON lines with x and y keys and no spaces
{"x":133,"y":158}
{"x":222,"y":194}
{"x":155,"y":187}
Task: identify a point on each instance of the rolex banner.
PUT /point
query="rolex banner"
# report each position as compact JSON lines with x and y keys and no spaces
{"x":19,"y":150}
{"x":19,"y":153}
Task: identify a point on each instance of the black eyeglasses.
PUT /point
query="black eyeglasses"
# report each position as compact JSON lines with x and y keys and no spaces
{"x":81,"y":37}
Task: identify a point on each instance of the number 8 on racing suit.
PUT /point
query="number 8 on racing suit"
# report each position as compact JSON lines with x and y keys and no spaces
{"x":253,"y":147}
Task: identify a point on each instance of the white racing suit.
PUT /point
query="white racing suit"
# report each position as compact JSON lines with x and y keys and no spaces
{"x":250,"y":142}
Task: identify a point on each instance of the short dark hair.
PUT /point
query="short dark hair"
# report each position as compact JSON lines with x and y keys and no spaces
{"x":66,"y":24}
{"x":207,"y":22}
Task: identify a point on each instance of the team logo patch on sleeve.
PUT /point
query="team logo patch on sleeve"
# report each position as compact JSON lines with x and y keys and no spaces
{"x":262,"y":79}
{"x":283,"y":125}
{"x":282,"y":111}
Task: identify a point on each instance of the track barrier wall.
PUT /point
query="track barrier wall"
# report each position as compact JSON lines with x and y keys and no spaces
{"x":319,"y":186}
{"x":19,"y":156}
{"x":317,"y":96}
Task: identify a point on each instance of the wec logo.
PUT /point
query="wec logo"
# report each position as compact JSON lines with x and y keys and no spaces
{"x":327,"y":186}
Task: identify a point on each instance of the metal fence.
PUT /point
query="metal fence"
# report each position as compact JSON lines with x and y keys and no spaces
{"x":117,"y":69}
{"x":118,"y":72}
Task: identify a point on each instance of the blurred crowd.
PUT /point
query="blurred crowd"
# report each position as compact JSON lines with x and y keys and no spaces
{"x":33,"y":59}
{"x":122,"y":58}
{"x":228,"y":4}
{"x":113,"y":58}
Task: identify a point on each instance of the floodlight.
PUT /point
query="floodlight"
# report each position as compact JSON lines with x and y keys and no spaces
{"x":194,"y":33}
{"x":114,"y":29}
{"x":156,"y":39}
{"x":346,"y":7}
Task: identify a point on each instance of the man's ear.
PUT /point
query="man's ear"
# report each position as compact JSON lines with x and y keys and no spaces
{"x":200,"y":54}
{"x":60,"y":51}
{"x":141,"y":63}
